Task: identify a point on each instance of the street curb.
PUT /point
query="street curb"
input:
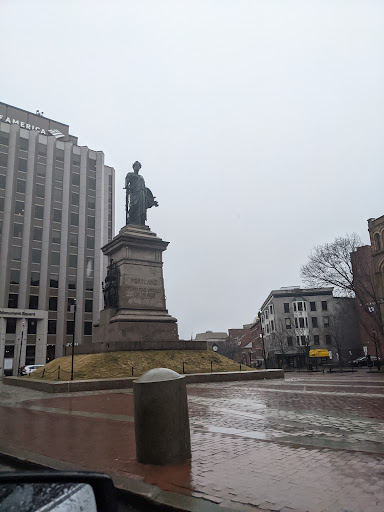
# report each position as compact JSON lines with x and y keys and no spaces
{"x":135,"y":492}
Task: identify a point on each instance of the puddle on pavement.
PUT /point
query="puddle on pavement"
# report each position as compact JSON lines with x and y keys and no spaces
{"x":234,"y":431}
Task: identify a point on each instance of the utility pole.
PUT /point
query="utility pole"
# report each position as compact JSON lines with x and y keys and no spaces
{"x":73,"y":310}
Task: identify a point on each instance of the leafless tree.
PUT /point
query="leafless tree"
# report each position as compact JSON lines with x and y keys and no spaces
{"x":331,"y":265}
{"x":230,"y":348}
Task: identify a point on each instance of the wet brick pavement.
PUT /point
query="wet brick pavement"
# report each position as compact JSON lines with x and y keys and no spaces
{"x":313,"y":442}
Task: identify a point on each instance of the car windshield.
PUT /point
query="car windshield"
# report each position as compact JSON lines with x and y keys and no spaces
{"x":192,"y":249}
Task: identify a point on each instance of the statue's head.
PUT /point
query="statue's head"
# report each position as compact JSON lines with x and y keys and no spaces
{"x":136,"y":167}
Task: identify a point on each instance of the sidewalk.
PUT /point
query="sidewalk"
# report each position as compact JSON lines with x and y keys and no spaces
{"x":312,"y":442}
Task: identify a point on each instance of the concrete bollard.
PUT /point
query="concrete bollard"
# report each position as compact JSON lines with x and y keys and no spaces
{"x":161,"y":418}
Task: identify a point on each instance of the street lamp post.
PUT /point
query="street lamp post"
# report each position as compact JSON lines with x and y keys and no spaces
{"x":262,"y":341}
{"x":73,"y":310}
{"x":21,"y":345}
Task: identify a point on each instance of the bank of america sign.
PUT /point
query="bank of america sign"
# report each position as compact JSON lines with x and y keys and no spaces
{"x":56,"y":133}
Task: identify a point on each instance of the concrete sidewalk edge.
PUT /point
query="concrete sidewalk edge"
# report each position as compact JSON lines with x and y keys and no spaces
{"x":131,"y":487}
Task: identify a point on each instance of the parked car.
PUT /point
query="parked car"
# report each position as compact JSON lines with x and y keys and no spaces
{"x":363,"y":361}
{"x":30,"y":368}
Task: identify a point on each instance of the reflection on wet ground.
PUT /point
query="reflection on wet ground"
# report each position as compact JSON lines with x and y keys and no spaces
{"x":311,"y":442}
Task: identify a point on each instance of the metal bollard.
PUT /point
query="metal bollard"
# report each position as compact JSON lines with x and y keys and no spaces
{"x":211,"y":366}
{"x":161,"y":418}
{"x":58,"y":373}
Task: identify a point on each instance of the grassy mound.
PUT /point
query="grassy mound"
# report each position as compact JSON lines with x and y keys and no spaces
{"x":120,"y":364}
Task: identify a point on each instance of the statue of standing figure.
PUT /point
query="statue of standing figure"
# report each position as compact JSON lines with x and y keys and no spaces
{"x":138,"y":197}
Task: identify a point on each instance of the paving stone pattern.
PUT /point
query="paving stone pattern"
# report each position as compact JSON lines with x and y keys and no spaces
{"x":311,"y":443}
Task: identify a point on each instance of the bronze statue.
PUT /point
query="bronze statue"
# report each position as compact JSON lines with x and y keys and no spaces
{"x":110,"y":288}
{"x":138,"y":197}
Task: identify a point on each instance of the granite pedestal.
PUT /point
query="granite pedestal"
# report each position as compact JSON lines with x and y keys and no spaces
{"x":141,"y":313}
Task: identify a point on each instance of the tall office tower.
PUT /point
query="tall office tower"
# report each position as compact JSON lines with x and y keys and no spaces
{"x":56,"y":212}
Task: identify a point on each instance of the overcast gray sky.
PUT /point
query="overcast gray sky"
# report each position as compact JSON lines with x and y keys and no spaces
{"x":259,"y":125}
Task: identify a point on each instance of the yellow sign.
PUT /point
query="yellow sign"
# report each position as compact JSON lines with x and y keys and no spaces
{"x":320,"y":352}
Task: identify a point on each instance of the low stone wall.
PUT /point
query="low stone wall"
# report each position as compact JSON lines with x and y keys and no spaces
{"x":129,"y":346}
{"x":127,"y":383}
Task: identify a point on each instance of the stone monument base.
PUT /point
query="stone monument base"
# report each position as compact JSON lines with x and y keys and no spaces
{"x":140,"y":314}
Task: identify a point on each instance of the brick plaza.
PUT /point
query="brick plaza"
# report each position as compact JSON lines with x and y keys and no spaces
{"x":313,"y":442}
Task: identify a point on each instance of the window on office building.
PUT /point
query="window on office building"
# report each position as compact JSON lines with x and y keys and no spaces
{"x":88,"y":308}
{"x":39,"y":212}
{"x":72,"y":260}
{"x":14,"y":277}
{"x":38,"y":234}
{"x":75,"y":199}
{"x":286,"y":307}
{"x":56,"y":215}
{"x":16,"y":253}
{"x":36,"y":256}
{"x":32,"y":326}
{"x":35,"y":278}
{"x":13,"y":299}
{"x":20,"y":186}
{"x":71,"y":282}
{"x":91,"y":222}
{"x":51,"y":326}
{"x":54,"y":281}
{"x":73,"y":239}
{"x":58,"y":194}
{"x":19,"y":208}
{"x":22,"y":165}
{"x":90,"y":242}
{"x":74,"y":219}
{"x":70,"y":327}
{"x":290,"y":341}
{"x":75,"y":179}
{"x":55,"y":258}
{"x":40,"y":190}
{"x":52,"y":303}
{"x":324,"y":305}
{"x":33,"y":302}
{"x":92,"y":183}
{"x":18,"y":230}
{"x":11,"y":326}
{"x":316,"y":339}
{"x":328,"y":339}
{"x":87,"y":328}
{"x":56,"y":237}
{"x":314,"y":321}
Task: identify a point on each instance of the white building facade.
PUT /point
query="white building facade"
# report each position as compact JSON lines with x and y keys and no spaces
{"x":56,"y":212}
